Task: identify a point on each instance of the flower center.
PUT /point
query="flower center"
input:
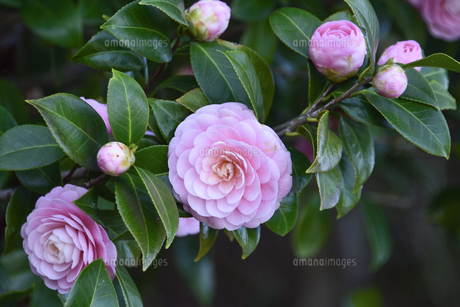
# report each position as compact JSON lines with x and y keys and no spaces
{"x":225,"y":170}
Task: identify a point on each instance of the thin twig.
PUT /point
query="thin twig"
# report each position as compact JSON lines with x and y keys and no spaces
{"x":93,"y":182}
{"x":70,"y":174}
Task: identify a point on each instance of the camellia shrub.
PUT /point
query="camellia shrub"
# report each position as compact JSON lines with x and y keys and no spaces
{"x":100,"y":183}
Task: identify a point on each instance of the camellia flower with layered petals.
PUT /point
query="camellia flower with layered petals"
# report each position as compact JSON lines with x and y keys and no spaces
{"x":228,"y":169}
{"x":61,"y":240}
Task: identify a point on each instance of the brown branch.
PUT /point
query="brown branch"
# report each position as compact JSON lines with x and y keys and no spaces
{"x":93,"y":182}
{"x":70,"y":174}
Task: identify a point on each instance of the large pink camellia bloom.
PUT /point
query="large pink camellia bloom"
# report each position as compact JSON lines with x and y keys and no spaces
{"x":338,"y":49}
{"x":61,"y":240}
{"x":402,"y":52}
{"x":228,"y":169}
{"x":207,"y":19}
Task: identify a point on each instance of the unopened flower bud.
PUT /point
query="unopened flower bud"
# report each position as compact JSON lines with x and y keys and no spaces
{"x":390,"y":81}
{"x":115,"y":158}
{"x":207,"y":19}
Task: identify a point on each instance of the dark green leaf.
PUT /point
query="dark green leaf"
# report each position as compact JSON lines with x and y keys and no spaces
{"x":444,"y":98}
{"x":182,"y":84}
{"x":367,"y":297}
{"x":169,"y":114}
{"x":139,"y":214}
{"x":436,"y":60}
{"x":130,"y":293}
{"x":294,"y":27}
{"x":148,"y":25}
{"x":12,"y":100}
{"x":208,"y":236}
{"x":88,"y":204}
{"x":128,"y":108}
{"x":329,"y":147}
{"x":172,"y":8}
{"x":8,"y":298}
{"x":254,"y":10}
{"x":19,"y":207}
{"x":129,"y":252}
{"x":285,"y":218}
{"x":104,"y":52}
{"x":7,"y":120}
{"x":28,"y":146}
{"x":309,"y":132}
{"x":42,"y":179}
{"x":260,"y":37}
{"x":93,"y":287}
{"x":418,"y":89}
{"x":248,"y":238}
{"x":342,"y":15}
{"x":437,"y":74}
{"x":76,"y":126}
{"x":359,"y":109}
{"x":92,"y":11}
{"x":193,"y":100}
{"x":154,"y":159}
{"x":317,"y":84}
{"x":300,"y":164}
{"x":329,"y":185}
{"x":350,"y":194}
{"x":420,"y":124}
{"x":116,"y":227}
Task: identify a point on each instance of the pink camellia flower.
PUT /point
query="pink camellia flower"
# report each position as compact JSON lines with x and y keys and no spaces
{"x":115,"y":158}
{"x":61,"y":240}
{"x":338,"y":49}
{"x":101,"y":109}
{"x":188,"y":226}
{"x":390,"y":81}
{"x":228,"y":169}
{"x":402,"y":52}
{"x":207,"y":19}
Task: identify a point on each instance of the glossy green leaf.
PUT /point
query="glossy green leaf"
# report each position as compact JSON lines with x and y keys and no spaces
{"x":444,"y":98}
{"x":182,"y":84}
{"x":148,"y":25}
{"x":193,"y":100}
{"x":329,"y":147}
{"x":164,"y":203}
{"x":329,"y":185}
{"x":248,"y":77}
{"x":294,"y":27}
{"x":359,"y":145}
{"x":139,"y":214}
{"x":379,"y":235}
{"x":317,"y":84}
{"x":215,"y":74}
{"x":153,"y":124}
{"x":285,"y":217}
{"x":436,"y":60}
{"x":422,"y":125}
{"x":418,"y":89}
{"x":309,"y":132}
{"x":359,"y":109}
{"x":131,"y":294}
{"x":208,"y":236}
{"x":437,"y":74}
{"x":88,"y":204}
{"x":104,"y":52}
{"x":172,"y":8}
{"x":116,"y":227}
{"x":129,"y":251}
{"x":254,"y":10}
{"x":153,"y":159}
{"x":93,"y":287}
{"x":76,"y":126}
{"x":7,"y":120}
{"x":259,"y":37}
{"x":42,"y":179}
{"x":168,"y":114}
{"x":300,"y":164}
{"x":248,"y":238}
{"x":367,"y":19}
{"x":28,"y":146}
{"x":128,"y":109}
{"x":19,"y":207}
{"x":56,"y":21}
{"x":350,"y":193}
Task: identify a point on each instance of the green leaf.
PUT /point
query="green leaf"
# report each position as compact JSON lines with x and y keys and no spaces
{"x":93,"y":287}
{"x":139,"y":214}
{"x":169,"y":114}
{"x":164,"y":203}
{"x":309,"y":132}
{"x":88,"y":204}
{"x":8,"y":298}
{"x":193,"y":100}
{"x":379,"y":235}
{"x":329,"y":185}
{"x":75,"y":125}
{"x":104,"y":52}
{"x":215,"y":74}
{"x":350,"y":194}
{"x":418,"y":89}
{"x":342,"y":15}
{"x":153,"y":159}
{"x":28,"y":146}
{"x":359,"y":145}
{"x":285,"y":218}
{"x":294,"y":27}
{"x":367,"y":297}
{"x":19,"y":207}
{"x":7,"y":120}
{"x":148,"y":25}
{"x":367,"y":19}
{"x":436,"y":60}
{"x":300,"y":164}
{"x":128,"y":287}
{"x":329,"y":147}
{"x":254,"y":10}
{"x":444,"y":98}
{"x":56,"y":21}
{"x":248,"y":77}
{"x":172,"y":8}
{"x":12,"y":100}
{"x":437,"y":74}
{"x":248,"y":238}
{"x":129,"y":251}
{"x":42,"y":179}
{"x":260,"y":37}
{"x":208,"y":236}
{"x":116,"y":227}
{"x":359,"y":109}
{"x":128,"y":108}
{"x":420,"y":124}
{"x":182,"y":84}
{"x":317,"y":84}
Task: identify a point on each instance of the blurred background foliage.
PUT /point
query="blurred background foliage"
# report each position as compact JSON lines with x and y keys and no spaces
{"x":404,"y":235}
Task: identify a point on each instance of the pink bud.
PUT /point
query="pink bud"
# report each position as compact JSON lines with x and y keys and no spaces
{"x":338,"y":49}
{"x":115,"y":158}
{"x":402,"y":52}
{"x":207,"y":19}
{"x":101,"y":109}
{"x":390,"y":81}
